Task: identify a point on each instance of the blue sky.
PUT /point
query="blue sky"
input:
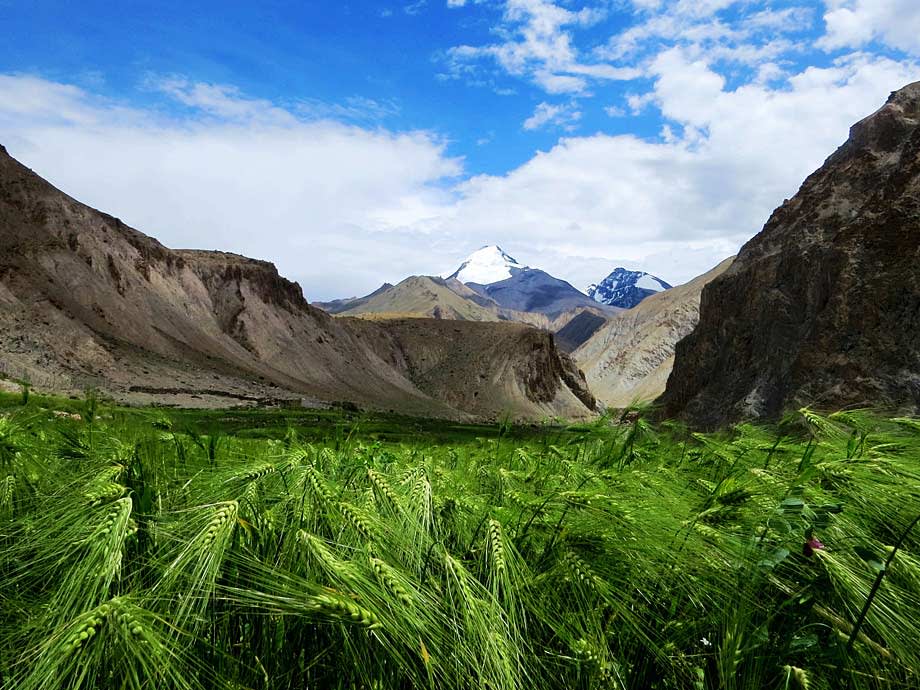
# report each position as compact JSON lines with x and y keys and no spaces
{"x":394,"y":54}
{"x":358,"y":142}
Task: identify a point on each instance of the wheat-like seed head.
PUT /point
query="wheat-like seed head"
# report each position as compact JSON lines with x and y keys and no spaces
{"x":497,"y":545}
{"x":388,"y":577}
{"x":340,"y":608}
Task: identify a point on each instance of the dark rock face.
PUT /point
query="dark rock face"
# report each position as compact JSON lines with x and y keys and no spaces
{"x":822,"y":307}
{"x":574,"y":378}
{"x":578,"y":331}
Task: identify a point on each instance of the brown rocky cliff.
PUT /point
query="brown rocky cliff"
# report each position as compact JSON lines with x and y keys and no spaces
{"x":93,"y":302}
{"x":107,"y":306}
{"x":486,"y":367}
{"x":822,"y":307}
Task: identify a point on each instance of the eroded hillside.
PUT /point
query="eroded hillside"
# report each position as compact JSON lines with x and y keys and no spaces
{"x":87,"y":301}
{"x":628,"y":359}
{"x":822,"y":307}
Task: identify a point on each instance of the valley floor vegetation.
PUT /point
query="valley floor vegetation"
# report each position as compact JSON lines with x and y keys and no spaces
{"x":152,"y":549}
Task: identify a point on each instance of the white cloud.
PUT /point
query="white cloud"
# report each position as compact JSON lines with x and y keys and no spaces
{"x":553,"y":115}
{"x":416,"y":7}
{"x":343,"y":208}
{"x":787,"y":19}
{"x":646,"y":5}
{"x":560,"y":83}
{"x":223,"y":102}
{"x":338,"y":207}
{"x":674,"y":207}
{"x":537,"y":43}
{"x":638,"y":102}
{"x":609,"y":72}
{"x":748,"y":37}
{"x":854,"y":23}
{"x":703,"y":8}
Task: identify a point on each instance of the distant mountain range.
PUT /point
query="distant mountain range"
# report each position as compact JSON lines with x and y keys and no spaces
{"x":491,"y":285}
{"x":628,"y":358}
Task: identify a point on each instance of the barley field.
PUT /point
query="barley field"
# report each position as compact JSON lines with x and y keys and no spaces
{"x":152,"y":549}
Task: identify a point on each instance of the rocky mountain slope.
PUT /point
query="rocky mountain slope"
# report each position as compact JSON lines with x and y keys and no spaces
{"x":87,"y":301}
{"x":420,"y":296}
{"x":579,"y":330}
{"x":625,"y":289}
{"x":431,"y":297}
{"x":525,"y":293}
{"x":822,"y":307}
{"x":515,"y":293}
{"x":337,"y":306}
{"x":535,"y":291}
{"x":629,"y":358}
{"x":512,"y":362}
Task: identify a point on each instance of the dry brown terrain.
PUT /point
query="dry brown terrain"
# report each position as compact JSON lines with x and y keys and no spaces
{"x":628,"y":359}
{"x":424,"y":296}
{"x":439,"y":298}
{"x":488,"y":369}
{"x":87,"y":301}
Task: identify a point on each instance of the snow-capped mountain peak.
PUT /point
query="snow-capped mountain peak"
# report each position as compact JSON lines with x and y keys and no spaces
{"x":486,"y":265}
{"x":625,"y":289}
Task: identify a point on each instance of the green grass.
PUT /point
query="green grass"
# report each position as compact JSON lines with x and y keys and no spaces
{"x":303,"y":549}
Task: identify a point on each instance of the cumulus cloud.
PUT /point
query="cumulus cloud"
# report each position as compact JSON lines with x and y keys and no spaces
{"x":675,"y":207}
{"x":854,"y":23}
{"x":537,"y":43}
{"x":746,"y":37}
{"x":560,"y":83}
{"x":325,"y":200}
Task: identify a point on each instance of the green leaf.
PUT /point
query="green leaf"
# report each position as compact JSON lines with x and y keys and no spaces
{"x":774,"y":559}
{"x":699,"y":682}
{"x":871,"y":557}
{"x":803,"y":643}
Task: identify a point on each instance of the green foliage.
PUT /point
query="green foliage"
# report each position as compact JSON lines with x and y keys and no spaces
{"x":181,"y":550}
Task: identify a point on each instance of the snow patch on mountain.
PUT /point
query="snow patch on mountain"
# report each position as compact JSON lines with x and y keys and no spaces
{"x":625,"y":289}
{"x":650,"y":282}
{"x":486,"y":265}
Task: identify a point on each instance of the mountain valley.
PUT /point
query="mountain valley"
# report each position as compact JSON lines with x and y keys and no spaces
{"x":87,"y":302}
